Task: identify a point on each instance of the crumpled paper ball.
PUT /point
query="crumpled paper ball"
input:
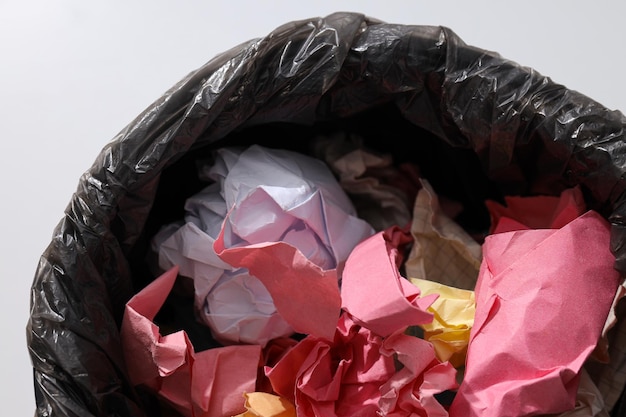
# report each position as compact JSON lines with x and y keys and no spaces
{"x":258,"y":195}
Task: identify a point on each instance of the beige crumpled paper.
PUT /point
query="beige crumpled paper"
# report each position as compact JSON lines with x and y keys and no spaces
{"x":263,"y":404}
{"x":443,"y":252}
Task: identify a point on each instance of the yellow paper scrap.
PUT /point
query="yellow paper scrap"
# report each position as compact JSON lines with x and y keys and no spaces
{"x":454,"y":312}
{"x":262,"y":404}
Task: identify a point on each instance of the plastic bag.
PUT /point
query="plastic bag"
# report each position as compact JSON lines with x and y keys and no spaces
{"x":478,"y":125}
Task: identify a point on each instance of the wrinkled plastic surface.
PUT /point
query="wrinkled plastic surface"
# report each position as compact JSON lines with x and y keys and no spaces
{"x":477,"y":124}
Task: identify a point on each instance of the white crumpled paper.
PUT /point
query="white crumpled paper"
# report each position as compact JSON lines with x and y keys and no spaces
{"x":259,"y":195}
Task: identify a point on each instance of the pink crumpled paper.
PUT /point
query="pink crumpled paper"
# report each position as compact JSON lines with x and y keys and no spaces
{"x":375,"y":293}
{"x":355,"y":373}
{"x":542,"y":299}
{"x":536,"y":212}
{"x":209,"y":383}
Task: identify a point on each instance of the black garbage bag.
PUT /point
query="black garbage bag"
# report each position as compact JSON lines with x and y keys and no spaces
{"x":479,"y":126}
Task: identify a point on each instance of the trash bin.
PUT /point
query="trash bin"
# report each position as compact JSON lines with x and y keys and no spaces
{"x":479,"y":126}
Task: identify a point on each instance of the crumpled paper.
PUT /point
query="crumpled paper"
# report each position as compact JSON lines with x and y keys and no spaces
{"x":536,"y":212}
{"x":375,"y":293}
{"x":355,"y":373}
{"x":272,"y":219}
{"x":453,"y":317}
{"x":443,"y":252}
{"x":552,"y":212}
{"x":252,"y":318}
{"x":263,"y":404}
{"x":341,"y":377}
{"x":412,"y":390}
{"x":208,"y":383}
{"x":536,"y":288}
{"x":382,"y":192}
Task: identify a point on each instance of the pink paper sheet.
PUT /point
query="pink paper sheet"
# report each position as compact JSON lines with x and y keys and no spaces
{"x":542,"y":297}
{"x":210,"y":383}
{"x":547,"y":212}
{"x":374,"y":292}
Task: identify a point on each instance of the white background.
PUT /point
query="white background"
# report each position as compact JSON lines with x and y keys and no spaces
{"x":74,"y":73}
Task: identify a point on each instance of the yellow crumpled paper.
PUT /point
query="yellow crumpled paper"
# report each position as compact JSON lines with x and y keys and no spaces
{"x":454,"y":311}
